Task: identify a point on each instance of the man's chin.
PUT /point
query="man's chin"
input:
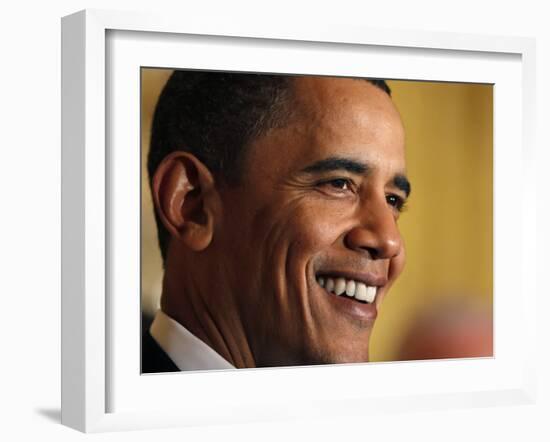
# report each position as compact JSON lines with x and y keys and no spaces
{"x":324,"y":356}
{"x":338,"y":356}
{"x":331,"y":360}
{"x":345,"y":341}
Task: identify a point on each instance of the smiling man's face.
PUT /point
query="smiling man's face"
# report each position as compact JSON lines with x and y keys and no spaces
{"x":316,"y":213}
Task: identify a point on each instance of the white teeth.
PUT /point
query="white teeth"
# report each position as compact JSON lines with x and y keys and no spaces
{"x":339,"y":286}
{"x":361,"y":292}
{"x":351,"y":288}
{"x":371,"y":294}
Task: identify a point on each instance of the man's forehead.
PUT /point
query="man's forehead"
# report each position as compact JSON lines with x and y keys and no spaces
{"x":329,"y":117}
{"x":335,"y":90}
{"x":326,"y":101}
{"x":345,"y":111}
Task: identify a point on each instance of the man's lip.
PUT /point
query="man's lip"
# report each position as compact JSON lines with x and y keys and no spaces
{"x":369,"y":279}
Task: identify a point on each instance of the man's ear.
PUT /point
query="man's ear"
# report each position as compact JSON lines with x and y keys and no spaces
{"x":185,"y":197}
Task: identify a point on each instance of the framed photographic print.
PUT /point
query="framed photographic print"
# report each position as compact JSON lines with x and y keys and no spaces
{"x":317,"y":227}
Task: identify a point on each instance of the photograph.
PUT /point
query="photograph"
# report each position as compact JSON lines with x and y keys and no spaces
{"x":301,"y":220}
{"x":311,"y":223}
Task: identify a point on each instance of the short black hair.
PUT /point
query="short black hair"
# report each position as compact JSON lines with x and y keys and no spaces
{"x":215,"y":116}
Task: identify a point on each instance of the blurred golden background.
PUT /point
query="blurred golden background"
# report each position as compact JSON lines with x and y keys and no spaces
{"x":441,"y":306}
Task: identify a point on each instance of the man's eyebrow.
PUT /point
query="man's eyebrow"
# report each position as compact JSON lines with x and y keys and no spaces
{"x":402,"y":183}
{"x":339,"y":163}
{"x":336,"y":163}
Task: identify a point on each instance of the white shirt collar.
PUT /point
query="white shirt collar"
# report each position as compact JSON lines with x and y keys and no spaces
{"x":186,"y":350}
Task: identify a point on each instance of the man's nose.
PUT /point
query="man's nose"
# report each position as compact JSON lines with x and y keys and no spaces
{"x":377,"y":233}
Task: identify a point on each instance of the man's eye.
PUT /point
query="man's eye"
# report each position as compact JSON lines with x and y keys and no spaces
{"x":339,"y":183}
{"x":396,"y":201}
{"x":336,"y":185}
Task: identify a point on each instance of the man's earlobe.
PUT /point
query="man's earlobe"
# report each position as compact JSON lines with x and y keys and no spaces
{"x":182,"y":187}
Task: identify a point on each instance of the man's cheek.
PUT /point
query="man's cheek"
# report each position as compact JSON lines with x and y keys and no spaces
{"x":320,"y":232}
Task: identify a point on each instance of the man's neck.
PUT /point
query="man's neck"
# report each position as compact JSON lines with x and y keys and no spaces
{"x":223,"y":333}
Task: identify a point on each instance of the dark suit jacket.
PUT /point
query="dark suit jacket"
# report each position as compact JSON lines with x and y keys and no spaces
{"x":153,"y":358}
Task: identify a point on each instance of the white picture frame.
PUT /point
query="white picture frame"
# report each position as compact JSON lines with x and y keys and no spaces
{"x":93,"y":368}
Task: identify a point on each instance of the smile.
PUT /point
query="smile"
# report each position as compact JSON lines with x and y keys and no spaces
{"x":350,"y":287}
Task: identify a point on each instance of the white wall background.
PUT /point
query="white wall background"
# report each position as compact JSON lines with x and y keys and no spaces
{"x":30,"y":217}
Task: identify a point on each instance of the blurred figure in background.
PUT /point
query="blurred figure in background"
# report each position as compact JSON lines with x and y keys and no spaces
{"x":454,"y":327}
